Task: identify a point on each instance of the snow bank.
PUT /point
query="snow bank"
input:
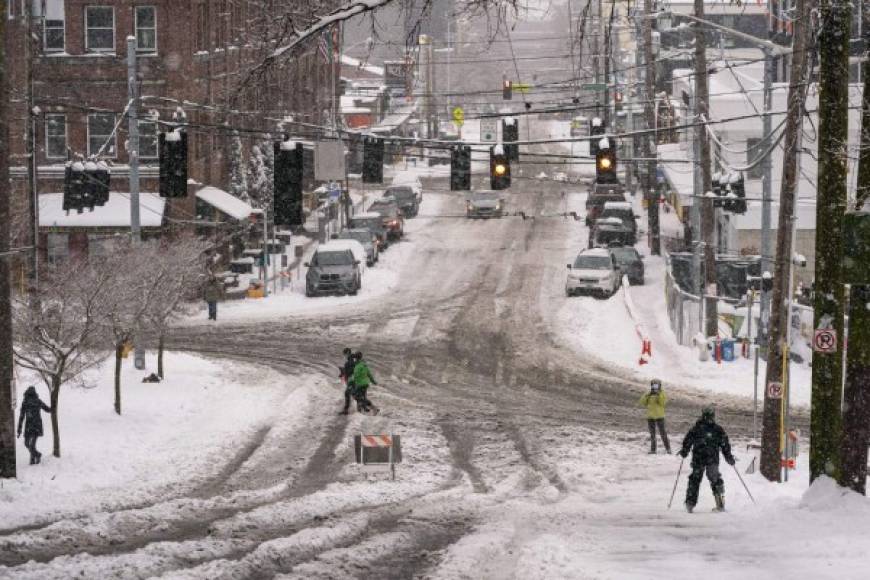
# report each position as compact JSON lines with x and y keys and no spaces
{"x":170,"y":435}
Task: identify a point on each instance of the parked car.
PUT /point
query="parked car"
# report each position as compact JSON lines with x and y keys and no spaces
{"x":391,"y":216}
{"x":366,"y":238}
{"x":593,"y":272}
{"x":623,"y":211}
{"x":406,"y":198}
{"x":597,"y":198}
{"x":373,"y":222}
{"x":630,"y":262}
{"x":484,"y":204}
{"x":333,"y":269}
{"x":610,"y":232}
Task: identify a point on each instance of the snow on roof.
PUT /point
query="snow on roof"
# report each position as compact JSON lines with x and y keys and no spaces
{"x":356,"y":63}
{"x":114,"y":214}
{"x":617,"y":205}
{"x":223,"y":201}
{"x":596,"y":121}
{"x":367,"y":215}
{"x":510,"y":121}
{"x":498,"y":150}
{"x":359,"y":252}
{"x":596,"y":252}
{"x":604,"y":143}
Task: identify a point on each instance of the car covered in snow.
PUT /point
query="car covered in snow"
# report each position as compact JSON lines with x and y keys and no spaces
{"x":630,"y":262}
{"x":610,"y":232}
{"x":411,"y":180}
{"x":484,"y":204}
{"x":623,"y":211}
{"x":333,"y":269}
{"x":406,"y":198}
{"x":598,"y":197}
{"x":593,"y":272}
{"x":373,"y":222}
{"x":366,"y":238}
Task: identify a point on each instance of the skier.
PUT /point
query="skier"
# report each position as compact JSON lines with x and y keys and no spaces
{"x":212,"y":292}
{"x":362,"y":378}
{"x":655,"y":401}
{"x":31,"y":418}
{"x":705,"y":440}
{"x":346,"y":374}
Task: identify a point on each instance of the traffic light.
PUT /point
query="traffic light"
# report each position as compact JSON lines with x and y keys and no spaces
{"x":507,"y":89}
{"x":738,"y":189}
{"x":510,"y":131}
{"x":102,"y":177}
{"x":460,"y":168}
{"x":605,"y":162}
{"x":596,"y":132}
{"x":73,"y":186}
{"x":617,"y":101}
{"x":499,"y":168}
{"x":172,"y":151}
{"x":373,"y":160}
{"x":719,"y":191}
{"x":289,"y":167}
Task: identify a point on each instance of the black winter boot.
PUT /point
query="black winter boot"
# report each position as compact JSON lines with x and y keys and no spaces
{"x":720,"y":502}
{"x":690,"y":507}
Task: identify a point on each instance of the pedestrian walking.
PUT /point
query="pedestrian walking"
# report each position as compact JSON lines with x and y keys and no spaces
{"x":654,"y":401}
{"x":705,"y":440}
{"x":30,"y":418}
{"x":212,"y":293}
{"x":362,"y":378}
{"x":346,"y":374}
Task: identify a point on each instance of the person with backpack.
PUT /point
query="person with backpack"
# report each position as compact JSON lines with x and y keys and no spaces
{"x":655,"y":401}
{"x":362,"y":378}
{"x":705,"y":440}
{"x":30,"y":418}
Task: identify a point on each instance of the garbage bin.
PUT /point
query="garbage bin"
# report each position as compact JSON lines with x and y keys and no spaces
{"x":728,"y":350}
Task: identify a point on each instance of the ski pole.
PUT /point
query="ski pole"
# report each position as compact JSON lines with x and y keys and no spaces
{"x":680,"y":470}
{"x":744,"y":483}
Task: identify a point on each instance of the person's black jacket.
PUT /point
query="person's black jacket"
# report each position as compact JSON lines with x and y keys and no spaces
{"x":30,"y":414}
{"x":347,"y":369}
{"x":705,"y":440}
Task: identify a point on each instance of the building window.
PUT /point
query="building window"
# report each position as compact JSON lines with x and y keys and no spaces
{"x":146,"y":29}
{"x":100,"y":246}
{"x":100,"y":28}
{"x":57,"y":248}
{"x":55,"y":136}
{"x":101,"y":127}
{"x":753,"y":150}
{"x":201,"y":28}
{"x":147,"y":140}
{"x":54,"y":36}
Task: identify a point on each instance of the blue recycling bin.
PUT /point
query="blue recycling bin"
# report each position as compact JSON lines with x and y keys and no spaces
{"x":727,"y":350}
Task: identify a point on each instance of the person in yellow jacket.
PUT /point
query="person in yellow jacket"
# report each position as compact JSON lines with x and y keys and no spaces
{"x":655,"y":401}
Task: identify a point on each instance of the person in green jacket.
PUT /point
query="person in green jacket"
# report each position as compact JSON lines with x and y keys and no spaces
{"x":655,"y":401}
{"x":362,"y":378}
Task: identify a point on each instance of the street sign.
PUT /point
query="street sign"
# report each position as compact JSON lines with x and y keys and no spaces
{"x":594,"y":87}
{"x":774,"y":390}
{"x":334,"y":191}
{"x":522,"y":87}
{"x":825,"y":340}
{"x":458,"y":116}
{"x":489,"y":130}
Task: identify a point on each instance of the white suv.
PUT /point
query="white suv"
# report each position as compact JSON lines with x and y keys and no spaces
{"x":593,"y":272}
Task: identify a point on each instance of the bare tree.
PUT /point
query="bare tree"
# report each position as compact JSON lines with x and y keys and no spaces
{"x":60,"y":338}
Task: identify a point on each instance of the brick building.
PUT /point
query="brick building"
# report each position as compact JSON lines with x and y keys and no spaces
{"x":196,"y":53}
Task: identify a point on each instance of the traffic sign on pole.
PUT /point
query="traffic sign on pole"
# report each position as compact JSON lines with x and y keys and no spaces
{"x":774,"y":390}
{"x":594,"y":87}
{"x":458,"y":116}
{"x":489,"y":130}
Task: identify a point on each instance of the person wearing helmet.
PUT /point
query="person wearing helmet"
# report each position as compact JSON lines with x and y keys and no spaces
{"x":362,"y":378}
{"x":346,"y":374}
{"x":705,"y":440}
{"x":655,"y":401}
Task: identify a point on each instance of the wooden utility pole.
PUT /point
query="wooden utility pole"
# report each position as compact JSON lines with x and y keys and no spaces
{"x":708,"y":222}
{"x":7,"y":409}
{"x":771,"y":437}
{"x":856,"y":391}
{"x":649,"y":180}
{"x":825,"y":420}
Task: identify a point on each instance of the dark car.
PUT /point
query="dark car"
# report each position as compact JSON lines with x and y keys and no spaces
{"x":630,"y":262}
{"x":597,"y":198}
{"x":391,"y":216}
{"x":610,"y":232}
{"x":621,"y":210}
{"x":373,"y":222}
{"x":332,"y":270}
{"x":406,"y":198}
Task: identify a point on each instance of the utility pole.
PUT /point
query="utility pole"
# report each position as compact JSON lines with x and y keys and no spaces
{"x":30,"y":145}
{"x":825,"y":422}
{"x":7,"y":400}
{"x":766,"y":184}
{"x":702,"y":108}
{"x":772,"y":436}
{"x":133,"y":154}
{"x":649,"y":112}
{"x":856,"y":392}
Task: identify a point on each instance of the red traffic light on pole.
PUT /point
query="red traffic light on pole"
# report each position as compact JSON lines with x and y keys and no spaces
{"x":507,"y":89}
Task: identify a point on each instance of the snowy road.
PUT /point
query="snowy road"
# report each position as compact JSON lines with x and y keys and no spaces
{"x":492,"y":408}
